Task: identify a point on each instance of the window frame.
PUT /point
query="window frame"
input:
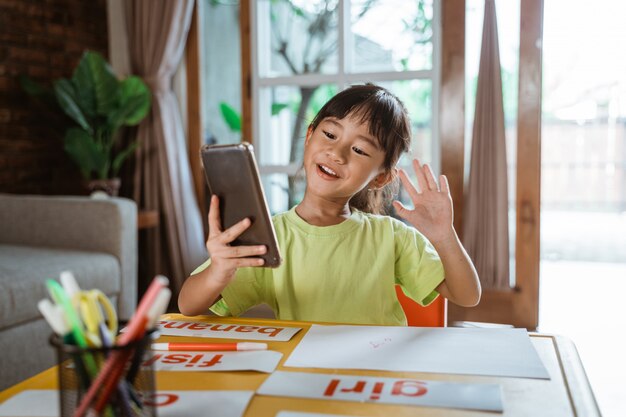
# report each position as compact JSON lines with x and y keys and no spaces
{"x":342,"y":79}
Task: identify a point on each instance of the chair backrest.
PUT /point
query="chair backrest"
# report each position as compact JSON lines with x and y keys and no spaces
{"x":433,"y":315}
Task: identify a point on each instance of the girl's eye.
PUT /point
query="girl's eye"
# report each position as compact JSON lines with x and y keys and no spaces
{"x":359,"y":151}
{"x":329,"y":135}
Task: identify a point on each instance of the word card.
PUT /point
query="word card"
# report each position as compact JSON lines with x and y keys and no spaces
{"x":383,"y":390}
{"x":261,"y":361}
{"x":226,"y":331}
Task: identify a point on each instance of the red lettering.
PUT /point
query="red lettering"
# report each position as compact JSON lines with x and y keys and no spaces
{"x":378,"y":388}
{"x":198,"y":326}
{"x":414,"y":388}
{"x":218,"y":328}
{"x":160,"y":400}
{"x":246,"y":329}
{"x":273,"y":331}
{"x":178,"y":358}
{"x":194,"y":360}
{"x":176,"y":325}
{"x":152,"y":360}
{"x":215,"y":360}
{"x":358,"y":387}
{"x":330,"y":389}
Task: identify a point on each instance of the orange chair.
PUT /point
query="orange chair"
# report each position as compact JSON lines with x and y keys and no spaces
{"x":433,"y":315}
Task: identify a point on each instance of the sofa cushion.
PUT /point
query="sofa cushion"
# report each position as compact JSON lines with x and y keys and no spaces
{"x":24,"y":269}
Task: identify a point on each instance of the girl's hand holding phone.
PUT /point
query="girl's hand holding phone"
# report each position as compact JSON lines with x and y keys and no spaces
{"x":225,"y":259}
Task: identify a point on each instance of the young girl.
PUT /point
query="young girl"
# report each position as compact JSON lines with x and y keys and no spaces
{"x":341,"y":256}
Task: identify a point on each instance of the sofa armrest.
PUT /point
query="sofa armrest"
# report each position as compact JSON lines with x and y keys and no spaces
{"x":98,"y":225}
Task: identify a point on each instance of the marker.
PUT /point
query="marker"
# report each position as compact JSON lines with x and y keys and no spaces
{"x":209,"y":347}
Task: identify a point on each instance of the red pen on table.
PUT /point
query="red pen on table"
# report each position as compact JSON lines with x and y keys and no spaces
{"x":209,"y":347}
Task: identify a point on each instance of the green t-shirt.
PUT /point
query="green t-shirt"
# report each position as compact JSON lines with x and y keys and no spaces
{"x":342,"y":273}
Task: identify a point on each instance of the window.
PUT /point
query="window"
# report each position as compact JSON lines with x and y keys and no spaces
{"x":304,"y":52}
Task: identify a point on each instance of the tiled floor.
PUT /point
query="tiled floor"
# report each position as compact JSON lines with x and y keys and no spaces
{"x":585,"y":302}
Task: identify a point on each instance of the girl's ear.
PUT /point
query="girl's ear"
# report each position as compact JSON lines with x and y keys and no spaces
{"x":383,"y":179}
{"x":309,"y":132}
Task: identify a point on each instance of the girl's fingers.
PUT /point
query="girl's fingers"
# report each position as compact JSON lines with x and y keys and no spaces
{"x":430,"y":178}
{"x":243,"y":251}
{"x":234,"y":231}
{"x":408,"y":185}
{"x":422,"y":182}
{"x":246,"y":262}
{"x":445,"y":187}
{"x":214,"y":217}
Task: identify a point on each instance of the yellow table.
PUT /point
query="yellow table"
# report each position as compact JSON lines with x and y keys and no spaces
{"x":567,"y":393}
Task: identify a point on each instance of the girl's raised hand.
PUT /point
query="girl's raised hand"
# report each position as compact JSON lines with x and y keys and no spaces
{"x":225,"y":259}
{"x":432,"y":209}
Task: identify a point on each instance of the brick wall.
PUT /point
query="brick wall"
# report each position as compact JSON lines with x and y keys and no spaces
{"x":43,"y":39}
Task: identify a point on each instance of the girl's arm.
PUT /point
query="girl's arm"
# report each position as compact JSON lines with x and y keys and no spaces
{"x":201,"y":290}
{"x":432,"y":215}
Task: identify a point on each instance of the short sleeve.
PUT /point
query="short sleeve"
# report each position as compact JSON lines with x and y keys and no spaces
{"x":248,"y":289}
{"x":418,"y":268}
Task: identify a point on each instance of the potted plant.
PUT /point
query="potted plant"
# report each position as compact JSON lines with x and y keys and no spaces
{"x":99,"y":105}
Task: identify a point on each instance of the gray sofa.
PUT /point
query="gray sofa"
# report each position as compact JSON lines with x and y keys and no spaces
{"x":40,"y":236}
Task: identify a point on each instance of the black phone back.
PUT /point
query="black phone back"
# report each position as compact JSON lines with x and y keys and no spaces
{"x":232,"y":174}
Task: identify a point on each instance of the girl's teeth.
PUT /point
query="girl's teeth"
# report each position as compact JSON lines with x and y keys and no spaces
{"x":328,"y":170}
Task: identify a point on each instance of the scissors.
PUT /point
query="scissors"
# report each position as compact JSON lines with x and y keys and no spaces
{"x":91,"y":304}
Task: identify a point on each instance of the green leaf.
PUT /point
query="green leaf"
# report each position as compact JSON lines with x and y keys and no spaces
{"x":67,"y":99}
{"x":121,"y":157}
{"x":95,"y":74}
{"x":278,"y":107}
{"x":231,"y":117}
{"x":135,"y":100}
{"x":83,"y":82}
{"x":83,"y":150}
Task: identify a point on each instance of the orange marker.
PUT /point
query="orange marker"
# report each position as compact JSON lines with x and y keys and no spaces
{"x":209,"y":347}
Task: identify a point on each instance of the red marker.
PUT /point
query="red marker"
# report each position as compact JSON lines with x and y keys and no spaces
{"x":209,"y":347}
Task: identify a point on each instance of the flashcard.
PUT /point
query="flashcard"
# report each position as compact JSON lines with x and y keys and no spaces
{"x":32,"y":403}
{"x":201,"y":403}
{"x":301,"y":414}
{"x":45,"y":403}
{"x":226,"y":331}
{"x":404,"y":391}
{"x":261,"y":361}
{"x":448,"y":350}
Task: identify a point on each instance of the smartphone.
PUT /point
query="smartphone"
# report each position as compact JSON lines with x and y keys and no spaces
{"x":231,"y":173}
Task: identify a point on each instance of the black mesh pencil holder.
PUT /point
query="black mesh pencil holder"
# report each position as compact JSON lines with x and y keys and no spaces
{"x":79,"y":368}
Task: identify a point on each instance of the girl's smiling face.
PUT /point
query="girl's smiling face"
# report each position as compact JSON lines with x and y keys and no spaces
{"x":341,"y":157}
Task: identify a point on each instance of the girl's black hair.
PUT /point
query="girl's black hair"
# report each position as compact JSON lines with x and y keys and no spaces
{"x":388,"y":122}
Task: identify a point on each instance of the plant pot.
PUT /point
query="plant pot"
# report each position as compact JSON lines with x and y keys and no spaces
{"x":110,"y":186}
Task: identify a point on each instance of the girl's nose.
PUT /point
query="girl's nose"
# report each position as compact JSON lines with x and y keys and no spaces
{"x":337,"y":154}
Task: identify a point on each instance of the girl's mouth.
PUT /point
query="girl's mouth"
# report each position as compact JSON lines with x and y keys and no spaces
{"x":326,"y":172}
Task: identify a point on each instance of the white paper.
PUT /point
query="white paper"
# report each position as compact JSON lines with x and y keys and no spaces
{"x":261,"y":361}
{"x":370,"y":389}
{"x":226,"y":330}
{"x":201,"y":403}
{"x":301,"y":414}
{"x":494,"y":352}
{"x":45,"y":403}
{"x":32,"y":403}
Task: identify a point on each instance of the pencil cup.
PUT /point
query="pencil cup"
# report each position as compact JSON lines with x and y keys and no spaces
{"x":128,"y":388}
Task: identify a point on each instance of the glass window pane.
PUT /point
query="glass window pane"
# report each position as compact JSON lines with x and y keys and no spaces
{"x":221,"y":71}
{"x":391,"y":35}
{"x":283,"y":191}
{"x":297,"y":37}
{"x":284,"y":115}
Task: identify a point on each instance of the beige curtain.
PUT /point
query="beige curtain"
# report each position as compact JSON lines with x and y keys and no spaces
{"x":486,"y":231}
{"x":157,"y":32}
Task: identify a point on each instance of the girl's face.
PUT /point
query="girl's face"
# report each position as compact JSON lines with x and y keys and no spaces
{"x":341,"y":158}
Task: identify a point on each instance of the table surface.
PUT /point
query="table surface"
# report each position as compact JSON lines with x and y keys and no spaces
{"x":567,"y":393}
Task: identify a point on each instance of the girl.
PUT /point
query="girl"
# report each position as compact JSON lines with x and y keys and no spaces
{"x":341,"y":256}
